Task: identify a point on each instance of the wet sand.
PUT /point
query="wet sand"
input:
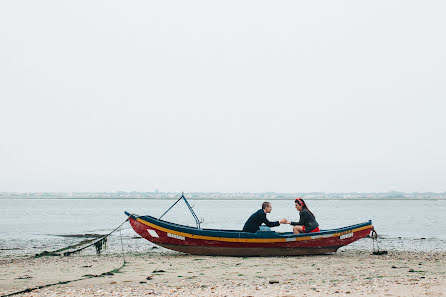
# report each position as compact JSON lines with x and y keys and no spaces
{"x":346,"y":273}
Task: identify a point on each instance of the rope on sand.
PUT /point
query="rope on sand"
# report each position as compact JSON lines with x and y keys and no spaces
{"x":99,"y":245}
{"x":100,"y":241}
{"x":27,"y":290}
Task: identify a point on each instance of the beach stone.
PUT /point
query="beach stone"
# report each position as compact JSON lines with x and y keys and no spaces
{"x":273,"y":281}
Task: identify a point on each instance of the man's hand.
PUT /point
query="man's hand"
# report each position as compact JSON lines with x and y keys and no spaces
{"x":284,"y":221}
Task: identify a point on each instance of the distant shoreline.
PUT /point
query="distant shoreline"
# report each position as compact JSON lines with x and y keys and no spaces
{"x":390,"y":195}
{"x":222,"y":198}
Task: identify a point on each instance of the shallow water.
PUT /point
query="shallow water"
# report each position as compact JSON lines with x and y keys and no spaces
{"x":29,"y":226}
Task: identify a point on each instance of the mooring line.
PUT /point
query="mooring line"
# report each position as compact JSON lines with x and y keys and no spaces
{"x":374,"y":237}
{"x":98,"y":243}
{"x":87,"y":276}
{"x":27,"y":290}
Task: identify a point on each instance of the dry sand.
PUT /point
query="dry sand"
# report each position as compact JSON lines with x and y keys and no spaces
{"x":346,"y":273}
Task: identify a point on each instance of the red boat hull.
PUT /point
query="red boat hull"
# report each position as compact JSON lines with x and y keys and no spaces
{"x":311,"y":243}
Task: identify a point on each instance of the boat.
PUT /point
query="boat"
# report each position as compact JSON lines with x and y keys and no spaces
{"x":220,"y":242}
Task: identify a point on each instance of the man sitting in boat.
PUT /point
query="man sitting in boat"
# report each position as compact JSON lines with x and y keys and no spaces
{"x":259,"y":217}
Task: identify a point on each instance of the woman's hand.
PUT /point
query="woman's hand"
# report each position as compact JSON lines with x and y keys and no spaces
{"x":284,"y":221}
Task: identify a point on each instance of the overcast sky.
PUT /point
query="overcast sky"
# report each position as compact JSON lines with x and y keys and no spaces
{"x":284,"y":96}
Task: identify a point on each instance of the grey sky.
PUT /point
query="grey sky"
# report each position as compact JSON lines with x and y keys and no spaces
{"x":285,"y":96}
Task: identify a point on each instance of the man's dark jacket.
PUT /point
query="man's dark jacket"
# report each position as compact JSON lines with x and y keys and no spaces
{"x":257,"y":219}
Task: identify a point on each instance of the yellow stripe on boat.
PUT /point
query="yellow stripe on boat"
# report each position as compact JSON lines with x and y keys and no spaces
{"x":253,"y":240}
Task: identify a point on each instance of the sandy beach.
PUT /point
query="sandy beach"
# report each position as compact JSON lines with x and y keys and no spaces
{"x":346,"y":273}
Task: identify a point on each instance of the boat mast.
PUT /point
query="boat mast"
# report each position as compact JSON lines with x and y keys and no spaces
{"x":197,"y":221}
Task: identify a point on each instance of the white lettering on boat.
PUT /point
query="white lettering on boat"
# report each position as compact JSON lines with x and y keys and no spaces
{"x":291,"y":239}
{"x":152,"y":233}
{"x":175,"y":236}
{"x":344,"y":236}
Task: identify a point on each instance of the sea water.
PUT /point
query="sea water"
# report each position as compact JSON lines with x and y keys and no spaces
{"x":29,"y":226}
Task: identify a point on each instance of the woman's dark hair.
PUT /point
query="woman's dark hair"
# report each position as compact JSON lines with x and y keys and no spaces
{"x":302,"y":203}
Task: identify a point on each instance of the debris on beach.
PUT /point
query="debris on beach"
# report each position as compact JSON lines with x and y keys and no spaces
{"x":24,"y":277}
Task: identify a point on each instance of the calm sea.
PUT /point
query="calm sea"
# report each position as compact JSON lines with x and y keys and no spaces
{"x":29,"y":226}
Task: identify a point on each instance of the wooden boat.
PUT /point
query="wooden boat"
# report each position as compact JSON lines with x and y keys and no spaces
{"x":218,"y":242}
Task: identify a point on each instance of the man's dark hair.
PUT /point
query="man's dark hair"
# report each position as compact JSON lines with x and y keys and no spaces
{"x":265,"y":205}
